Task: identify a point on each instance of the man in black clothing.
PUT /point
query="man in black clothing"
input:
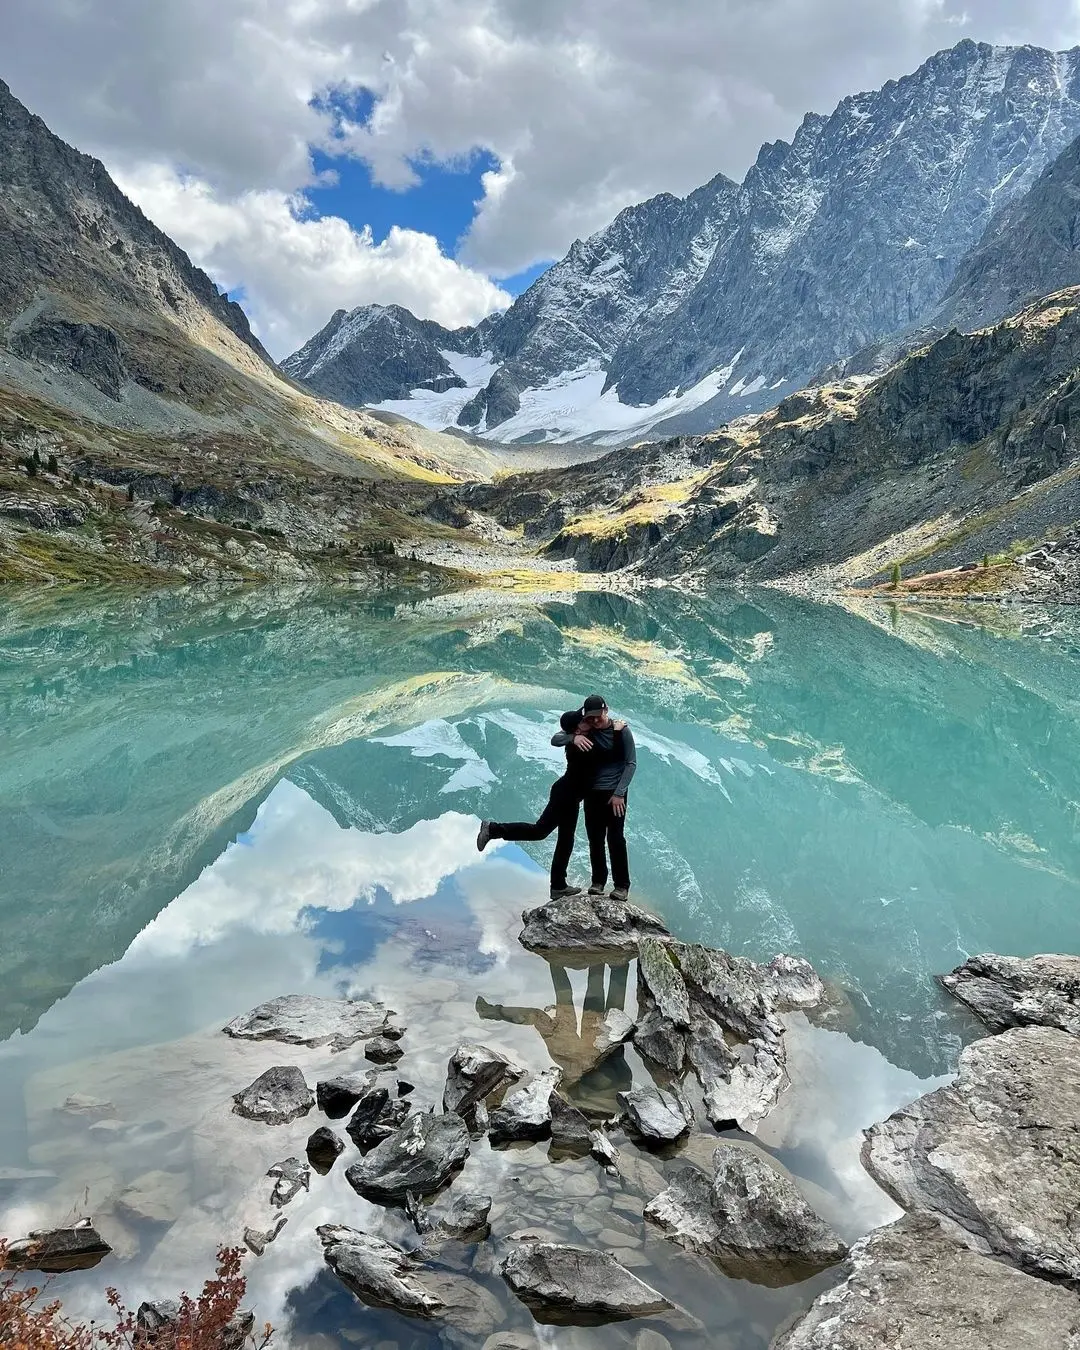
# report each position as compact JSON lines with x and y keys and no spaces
{"x":612,"y":762}
{"x":561,"y":811}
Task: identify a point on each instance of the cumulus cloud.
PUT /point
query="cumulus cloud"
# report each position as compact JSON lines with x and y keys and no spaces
{"x":587,"y":105}
{"x":297,"y":268}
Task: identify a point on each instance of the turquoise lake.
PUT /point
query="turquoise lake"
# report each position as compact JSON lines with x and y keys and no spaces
{"x":208,"y":802}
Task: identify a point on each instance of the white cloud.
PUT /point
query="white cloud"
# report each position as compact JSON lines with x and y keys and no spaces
{"x":296,"y":268}
{"x":587,"y":105}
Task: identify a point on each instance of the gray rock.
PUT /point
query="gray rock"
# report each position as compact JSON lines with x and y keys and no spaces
{"x":560,"y":1283}
{"x":258,"y":1240}
{"x":511,"y":1340}
{"x":660,"y":983}
{"x":383,"y":1050}
{"x":657,"y":1116}
{"x":337,"y":1096}
{"x":581,"y":927}
{"x":420,"y":1157}
{"x":276,"y":1097}
{"x":378,"y":1273}
{"x":997,"y":1151}
{"x":730,"y":990}
{"x":160,"y":1321}
{"x":473,"y":1074}
{"x":1013,"y":991}
{"x":794,"y":983}
{"x":570,"y":1132}
{"x":56,"y":1250}
{"x":303,"y":1019}
{"x":748,"y":1216}
{"x":465,"y":1219}
{"x":604,"y":1151}
{"x":324,"y":1147}
{"x":913,"y":1288}
{"x":293,"y":1176}
{"x":525,"y":1112}
{"x":376,"y":1117}
{"x":658,"y":1040}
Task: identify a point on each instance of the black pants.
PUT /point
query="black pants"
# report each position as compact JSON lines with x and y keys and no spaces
{"x":561,"y":813}
{"x":605,"y":831}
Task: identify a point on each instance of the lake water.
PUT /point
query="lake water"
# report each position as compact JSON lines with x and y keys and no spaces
{"x":205,"y":803}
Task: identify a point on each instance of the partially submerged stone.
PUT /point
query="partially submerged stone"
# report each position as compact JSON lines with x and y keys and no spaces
{"x":1014,"y":991}
{"x":561,"y":1283}
{"x":383,"y":1050}
{"x":77,"y":1247}
{"x":257,"y":1240}
{"x":464,"y":1219}
{"x":570,"y":1131}
{"x":376,"y":1117}
{"x":998,"y":1151}
{"x":324,"y":1147}
{"x":655,"y":1115}
{"x":525,"y":1112}
{"x":473,"y":1073}
{"x":604,"y":1151}
{"x":378,"y":1273}
{"x":154,"y":1197}
{"x":276,"y":1097}
{"x":304,"y":1019}
{"x":420,"y":1157}
{"x":579,"y":928}
{"x":913,"y":1288}
{"x":749,"y":1216}
{"x":291,"y":1177}
{"x":337,"y":1096}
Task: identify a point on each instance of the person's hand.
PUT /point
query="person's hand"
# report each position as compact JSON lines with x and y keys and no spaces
{"x":619,"y":724}
{"x":618,"y":806}
{"x":582,"y":742}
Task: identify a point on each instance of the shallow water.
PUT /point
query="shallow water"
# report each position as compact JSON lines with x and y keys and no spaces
{"x":204,"y":804}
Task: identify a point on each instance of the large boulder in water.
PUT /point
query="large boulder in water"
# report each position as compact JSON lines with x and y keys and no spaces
{"x":303,"y":1019}
{"x":78,"y":1247}
{"x":582,"y":929}
{"x":750,"y":1216}
{"x":473,"y":1073}
{"x":560,"y":1283}
{"x":998,"y":1151}
{"x":377,"y":1272}
{"x":913,"y":1288}
{"x":276,"y":1097}
{"x":656,"y":1115}
{"x":420,"y":1157}
{"x":525,"y":1113}
{"x":1014,"y":991}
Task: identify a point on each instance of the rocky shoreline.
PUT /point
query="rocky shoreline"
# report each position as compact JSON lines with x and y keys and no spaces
{"x":986,"y":1167}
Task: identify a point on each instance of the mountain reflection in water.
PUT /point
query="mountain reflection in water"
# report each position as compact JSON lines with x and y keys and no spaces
{"x":204,"y":804}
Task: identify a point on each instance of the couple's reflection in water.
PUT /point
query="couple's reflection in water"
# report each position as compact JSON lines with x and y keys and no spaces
{"x":578,"y":1047}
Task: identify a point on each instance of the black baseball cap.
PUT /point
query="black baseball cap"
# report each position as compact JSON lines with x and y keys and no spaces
{"x":593,"y":704}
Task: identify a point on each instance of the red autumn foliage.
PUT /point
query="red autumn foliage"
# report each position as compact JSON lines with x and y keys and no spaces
{"x":32,"y":1320}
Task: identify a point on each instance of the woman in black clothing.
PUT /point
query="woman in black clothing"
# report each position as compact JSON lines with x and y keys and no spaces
{"x":613,"y":762}
{"x":561,"y":811}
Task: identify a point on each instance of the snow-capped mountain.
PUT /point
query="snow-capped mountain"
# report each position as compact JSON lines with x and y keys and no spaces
{"x":684,"y":313}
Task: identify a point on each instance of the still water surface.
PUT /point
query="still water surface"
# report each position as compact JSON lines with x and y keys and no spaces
{"x":205,"y":804}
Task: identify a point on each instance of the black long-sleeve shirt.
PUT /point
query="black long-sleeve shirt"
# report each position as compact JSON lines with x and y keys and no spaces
{"x":613,"y":773}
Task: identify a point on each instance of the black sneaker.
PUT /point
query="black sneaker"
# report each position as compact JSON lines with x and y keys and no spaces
{"x":564,"y":892}
{"x":619,"y":894}
{"x":598,"y":890}
{"x":483,"y":837}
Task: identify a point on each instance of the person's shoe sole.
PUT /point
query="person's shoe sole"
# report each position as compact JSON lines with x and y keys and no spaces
{"x":566,"y":892}
{"x":483,"y":836}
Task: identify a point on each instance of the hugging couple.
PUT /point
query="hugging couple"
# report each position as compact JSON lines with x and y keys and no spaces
{"x":600,"y":762}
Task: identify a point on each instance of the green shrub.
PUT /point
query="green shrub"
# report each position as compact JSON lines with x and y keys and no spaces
{"x":895,"y":580}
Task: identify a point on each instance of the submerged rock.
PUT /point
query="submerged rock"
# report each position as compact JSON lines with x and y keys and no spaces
{"x":376,"y":1117}
{"x":465,"y":1219}
{"x":1013,"y":991}
{"x":378,"y":1273}
{"x":570,"y":1131}
{"x":525,"y":1113}
{"x":420,"y":1157}
{"x":749,"y":1216}
{"x":582,"y":926}
{"x":78,"y":1247}
{"x":155,"y":1197}
{"x":998,"y":1151}
{"x":383,"y":1050}
{"x":913,"y":1288}
{"x":276,"y":1097}
{"x":560,"y":1283}
{"x":303,"y":1019}
{"x":657,"y":1116}
{"x":257,"y":1240}
{"x":473,"y":1073}
{"x":337,"y":1096}
{"x":293,"y":1176}
{"x":324,"y":1147}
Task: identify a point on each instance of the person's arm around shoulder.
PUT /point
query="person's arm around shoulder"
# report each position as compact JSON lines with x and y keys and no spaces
{"x":569,"y":732}
{"x":618,"y":797}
